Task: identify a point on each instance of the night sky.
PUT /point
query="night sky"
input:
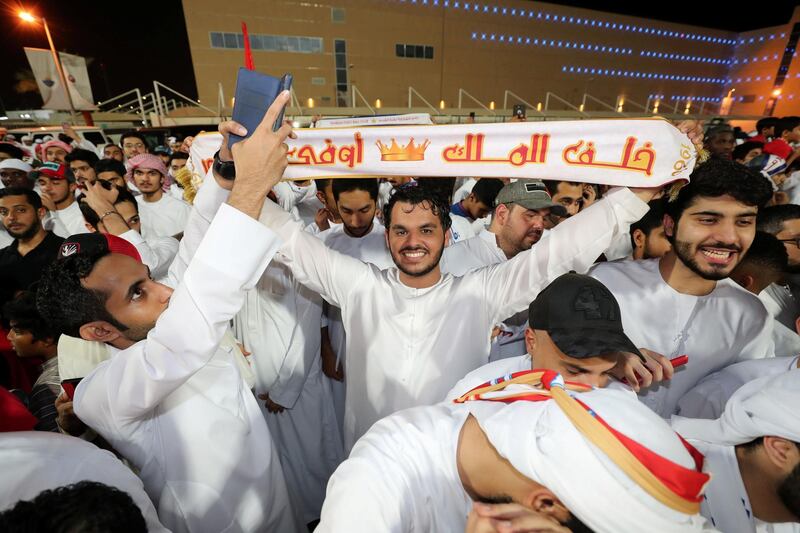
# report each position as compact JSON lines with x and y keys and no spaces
{"x":130,"y":43}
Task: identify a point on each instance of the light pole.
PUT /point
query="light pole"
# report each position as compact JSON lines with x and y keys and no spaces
{"x":27,"y":17}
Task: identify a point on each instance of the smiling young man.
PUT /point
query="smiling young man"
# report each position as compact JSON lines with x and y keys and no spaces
{"x":172,"y":399}
{"x":684,"y":303}
{"x":569,"y":195}
{"x":404,"y":325}
{"x":58,"y":195}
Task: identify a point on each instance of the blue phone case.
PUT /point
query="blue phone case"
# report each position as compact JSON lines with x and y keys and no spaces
{"x":255,"y":92}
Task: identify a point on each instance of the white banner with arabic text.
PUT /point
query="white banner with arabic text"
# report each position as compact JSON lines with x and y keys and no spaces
{"x":634,"y":153}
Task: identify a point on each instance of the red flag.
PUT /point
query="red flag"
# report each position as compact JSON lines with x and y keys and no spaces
{"x":248,"y":54}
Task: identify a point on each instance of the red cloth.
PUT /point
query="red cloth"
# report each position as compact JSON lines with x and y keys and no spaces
{"x":14,"y":416}
{"x":778,"y":147}
{"x":758,"y":138}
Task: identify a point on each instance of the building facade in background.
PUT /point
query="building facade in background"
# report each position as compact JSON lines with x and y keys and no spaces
{"x":451,"y":49}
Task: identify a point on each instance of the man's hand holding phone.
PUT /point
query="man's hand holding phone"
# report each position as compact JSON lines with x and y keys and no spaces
{"x":260,"y":160}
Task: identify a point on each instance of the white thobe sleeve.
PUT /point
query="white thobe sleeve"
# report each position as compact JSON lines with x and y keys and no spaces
{"x":575,"y":244}
{"x":229,"y":261}
{"x":327,"y":272}
{"x":156,"y":254}
{"x":206,"y":204}
{"x":54,"y":224}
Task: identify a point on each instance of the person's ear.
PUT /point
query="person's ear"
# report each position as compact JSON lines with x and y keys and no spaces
{"x":322,"y":199}
{"x":530,"y":341}
{"x":782,"y":453}
{"x":92,"y":229}
{"x":100,"y":331}
{"x":42,"y":212}
{"x":501,"y":213}
{"x":543,"y":501}
{"x":638,"y":238}
{"x":747,"y":281}
{"x":669,"y":226}
{"x":447,"y":235}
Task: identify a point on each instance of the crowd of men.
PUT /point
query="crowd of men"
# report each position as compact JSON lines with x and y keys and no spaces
{"x":397,"y":354}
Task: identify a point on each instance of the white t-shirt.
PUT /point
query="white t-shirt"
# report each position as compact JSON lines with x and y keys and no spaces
{"x":165,"y":218}
{"x":460,"y":229}
{"x":70,"y":219}
{"x":472,"y":254}
{"x":716,"y":330}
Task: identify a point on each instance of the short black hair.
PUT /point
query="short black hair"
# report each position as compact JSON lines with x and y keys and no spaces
{"x":30,"y":195}
{"x":718,"y":129}
{"x":766,"y":122}
{"x":415,"y":194}
{"x":14,"y":151}
{"x":322,"y":183}
{"x":441,"y":186}
{"x":786,"y":124}
{"x":178,"y":155}
{"x":740,"y":151}
{"x":110,"y":165}
{"x":22,"y":310}
{"x":651,"y":220}
{"x":134,"y":134}
{"x":552,"y":185}
{"x":87,"y":506}
{"x":486,"y":190}
{"x":767,"y":252}
{"x":80,"y":154}
{"x":123,"y":195}
{"x":771,"y":219}
{"x":369,"y":185}
{"x":719,"y":177}
{"x":64,"y":302}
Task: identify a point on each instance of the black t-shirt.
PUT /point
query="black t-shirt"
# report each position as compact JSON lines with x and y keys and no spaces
{"x":18,"y":272}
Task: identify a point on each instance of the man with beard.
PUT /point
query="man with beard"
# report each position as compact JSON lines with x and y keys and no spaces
{"x":82,"y":162}
{"x":163,"y":214}
{"x":679,"y":303}
{"x":517,"y":224}
{"x":752,"y":452}
{"x":405,"y":325}
{"x":112,"y":151}
{"x":648,"y":240}
{"x":520,"y":211}
{"x":173,"y":399}
{"x":360,"y":235}
{"x":56,"y":151}
{"x":58,"y":196}
{"x":16,"y":173}
{"x":33,"y":248}
{"x":783,"y":221}
{"x":720,"y":141}
{"x":569,"y":195}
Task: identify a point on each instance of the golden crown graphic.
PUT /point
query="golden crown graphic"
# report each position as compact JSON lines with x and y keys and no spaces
{"x":409,"y":152}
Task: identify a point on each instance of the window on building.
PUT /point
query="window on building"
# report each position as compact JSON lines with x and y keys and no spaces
{"x":417,"y":51}
{"x":268,"y":43}
{"x":337,"y":15}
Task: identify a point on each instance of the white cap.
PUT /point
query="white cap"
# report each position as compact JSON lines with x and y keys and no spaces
{"x":15,"y":164}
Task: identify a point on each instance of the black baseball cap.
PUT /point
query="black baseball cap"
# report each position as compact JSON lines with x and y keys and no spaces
{"x":581,"y":316}
{"x":102,"y":243}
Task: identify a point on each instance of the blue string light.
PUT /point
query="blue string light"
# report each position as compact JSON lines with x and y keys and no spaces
{"x":552,"y":43}
{"x":650,"y":75}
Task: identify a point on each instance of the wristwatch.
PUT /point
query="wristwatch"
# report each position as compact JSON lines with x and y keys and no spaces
{"x":224,"y":169}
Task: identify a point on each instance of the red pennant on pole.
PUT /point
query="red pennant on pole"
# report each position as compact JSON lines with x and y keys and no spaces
{"x":248,"y":54}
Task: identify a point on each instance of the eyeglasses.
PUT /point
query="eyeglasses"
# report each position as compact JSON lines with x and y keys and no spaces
{"x":138,"y":145}
{"x":794,"y":241}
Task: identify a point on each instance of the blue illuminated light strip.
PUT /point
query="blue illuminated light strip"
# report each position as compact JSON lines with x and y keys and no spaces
{"x":684,"y":57}
{"x":707,"y":99}
{"x":755,"y":59}
{"x":641,"y":75}
{"x":748,"y":79}
{"x":476,"y":7}
{"x":762,"y":38}
{"x":553,"y":43}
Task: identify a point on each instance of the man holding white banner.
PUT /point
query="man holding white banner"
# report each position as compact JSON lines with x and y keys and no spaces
{"x":405,"y":345}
